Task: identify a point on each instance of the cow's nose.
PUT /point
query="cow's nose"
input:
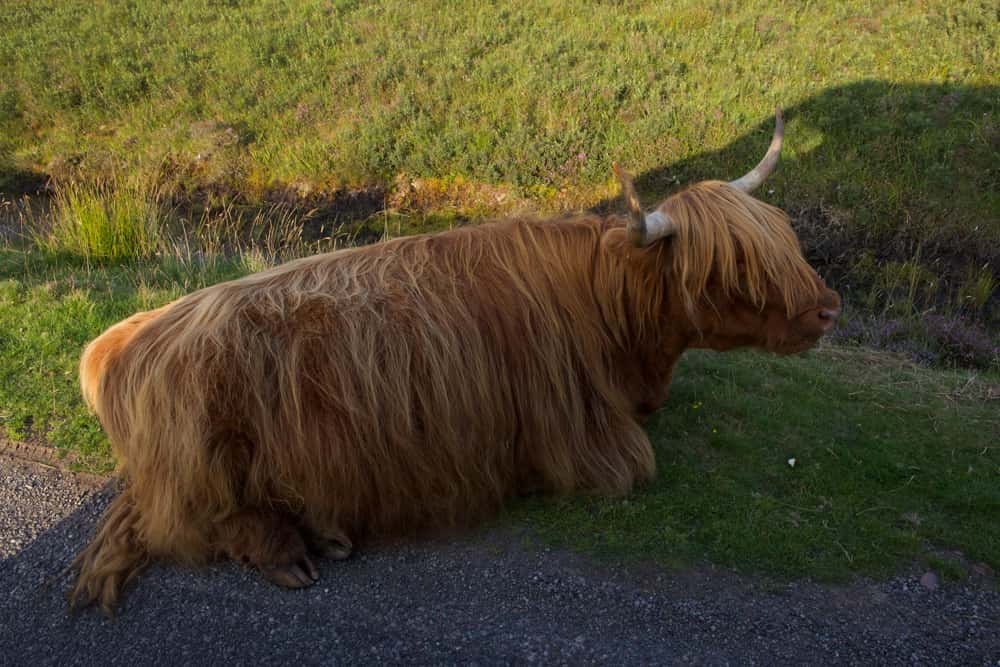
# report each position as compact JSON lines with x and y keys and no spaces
{"x":828,"y":316}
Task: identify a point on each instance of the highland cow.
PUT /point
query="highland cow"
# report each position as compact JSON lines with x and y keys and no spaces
{"x":418,"y":384}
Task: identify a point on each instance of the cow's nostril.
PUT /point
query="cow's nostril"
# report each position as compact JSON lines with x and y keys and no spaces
{"x":827,"y":314}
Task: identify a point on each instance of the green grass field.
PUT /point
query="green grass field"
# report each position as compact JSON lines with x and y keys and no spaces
{"x":190,"y":142}
{"x":331,"y":94}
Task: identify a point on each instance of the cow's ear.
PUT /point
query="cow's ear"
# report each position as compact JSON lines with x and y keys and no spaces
{"x":613,"y":239}
{"x":616,"y":242}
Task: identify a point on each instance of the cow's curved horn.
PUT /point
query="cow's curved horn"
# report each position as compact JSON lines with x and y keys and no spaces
{"x":752,"y":179}
{"x":642,"y":229}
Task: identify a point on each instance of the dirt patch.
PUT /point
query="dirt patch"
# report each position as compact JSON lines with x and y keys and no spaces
{"x":865,"y":24}
{"x":771,"y":25}
{"x":329,"y":212}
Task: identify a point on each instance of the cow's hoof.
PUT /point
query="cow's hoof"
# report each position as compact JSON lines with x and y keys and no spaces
{"x":334,"y":545}
{"x":292,"y":575}
{"x":335,"y":549}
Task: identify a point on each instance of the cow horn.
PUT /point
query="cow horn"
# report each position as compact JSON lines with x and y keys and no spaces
{"x":753,"y":179}
{"x":642,"y":229}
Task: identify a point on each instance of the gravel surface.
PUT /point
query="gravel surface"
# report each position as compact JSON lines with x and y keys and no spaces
{"x":33,"y":498}
{"x":490,"y":598}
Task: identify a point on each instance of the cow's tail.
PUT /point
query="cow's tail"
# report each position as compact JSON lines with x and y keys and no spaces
{"x":113,"y":558}
{"x":117,"y":553}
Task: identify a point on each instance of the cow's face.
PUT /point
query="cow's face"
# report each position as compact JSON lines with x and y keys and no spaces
{"x":736,"y":264}
{"x":726,"y":322}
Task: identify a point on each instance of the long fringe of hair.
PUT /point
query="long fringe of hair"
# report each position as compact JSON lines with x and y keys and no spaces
{"x":746,"y":245}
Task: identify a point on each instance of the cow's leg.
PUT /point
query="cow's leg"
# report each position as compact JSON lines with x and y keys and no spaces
{"x":608,"y":457}
{"x":269,"y":541}
{"x":639,"y":452}
{"x":622,"y":457}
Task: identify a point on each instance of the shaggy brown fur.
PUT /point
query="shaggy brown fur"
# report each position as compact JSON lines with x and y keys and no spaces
{"x":419,"y":383}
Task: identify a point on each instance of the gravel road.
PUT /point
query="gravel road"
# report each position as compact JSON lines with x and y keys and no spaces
{"x":490,"y":598}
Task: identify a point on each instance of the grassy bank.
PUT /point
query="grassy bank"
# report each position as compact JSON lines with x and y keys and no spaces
{"x":332,"y":94}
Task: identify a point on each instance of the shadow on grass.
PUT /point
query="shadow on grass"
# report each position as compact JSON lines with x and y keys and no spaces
{"x":874,"y":174}
{"x":15,"y":181}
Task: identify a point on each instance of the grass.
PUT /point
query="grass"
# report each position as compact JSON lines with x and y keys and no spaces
{"x":102,"y":222}
{"x":321,"y":95}
{"x":306,"y":92}
{"x":890,"y":461}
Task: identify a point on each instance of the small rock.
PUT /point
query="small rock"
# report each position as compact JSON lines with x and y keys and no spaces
{"x":983,"y":570}
{"x":929,"y":581}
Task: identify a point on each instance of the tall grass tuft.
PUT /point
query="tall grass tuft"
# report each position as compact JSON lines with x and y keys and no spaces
{"x":111,"y":221}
